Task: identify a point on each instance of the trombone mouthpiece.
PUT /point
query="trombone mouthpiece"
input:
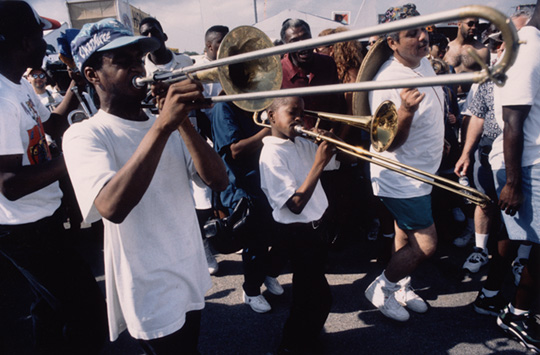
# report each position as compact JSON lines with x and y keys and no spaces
{"x":298,"y":128}
{"x":137,"y":82}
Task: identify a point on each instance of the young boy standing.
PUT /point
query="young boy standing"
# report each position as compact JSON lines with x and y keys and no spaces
{"x":291,"y":167}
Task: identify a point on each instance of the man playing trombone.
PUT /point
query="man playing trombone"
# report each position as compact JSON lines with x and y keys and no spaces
{"x":418,"y":143}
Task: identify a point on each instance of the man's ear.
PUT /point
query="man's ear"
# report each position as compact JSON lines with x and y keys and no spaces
{"x":165,"y":37}
{"x":91,"y":75}
{"x":391,"y":43}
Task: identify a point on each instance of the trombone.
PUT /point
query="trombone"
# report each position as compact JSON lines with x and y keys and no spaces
{"x":467,"y":192}
{"x":260,"y":77}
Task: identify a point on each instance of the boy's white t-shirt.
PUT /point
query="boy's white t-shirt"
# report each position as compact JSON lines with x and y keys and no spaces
{"x":21,"y":133}
{"x":521,"y":88}
{"x":284,"y":166}
{"x":155,"y":265}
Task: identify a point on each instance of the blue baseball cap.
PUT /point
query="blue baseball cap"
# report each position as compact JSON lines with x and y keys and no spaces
{"x":105,"y":35}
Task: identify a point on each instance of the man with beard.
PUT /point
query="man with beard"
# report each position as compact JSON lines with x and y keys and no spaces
{"x":133,"y":169}
{"x":418,"y":143}
{"x":306,"y":68}
{"x":457,"y":54}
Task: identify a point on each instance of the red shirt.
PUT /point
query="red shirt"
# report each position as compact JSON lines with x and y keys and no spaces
{"x":321,"y":72}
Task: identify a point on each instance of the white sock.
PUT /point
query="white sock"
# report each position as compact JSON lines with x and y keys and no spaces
{"x":516,"y":311}
{"x":481,"y":240}
{"x":489,"y":293}
{"x":524,"y":251}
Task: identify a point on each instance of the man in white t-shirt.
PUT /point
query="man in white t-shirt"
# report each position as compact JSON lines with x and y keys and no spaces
{"x":515,"y":159}
{"x":68,"y":312}
{"x":133,"y":169}
{"x":418,"y":143}
{"x":49,"y":97}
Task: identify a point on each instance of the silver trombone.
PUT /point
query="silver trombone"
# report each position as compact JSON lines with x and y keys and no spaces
{"x":248,"y":87}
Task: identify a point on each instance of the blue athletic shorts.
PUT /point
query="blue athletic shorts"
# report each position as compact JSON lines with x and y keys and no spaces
{"x":410,"y":213}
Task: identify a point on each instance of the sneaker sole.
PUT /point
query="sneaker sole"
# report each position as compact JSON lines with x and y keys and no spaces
{"x":394,"y":318}
{"x":516,"y":336}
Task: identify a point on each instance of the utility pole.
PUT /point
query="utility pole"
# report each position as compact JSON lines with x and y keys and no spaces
{"x":255,"y":9}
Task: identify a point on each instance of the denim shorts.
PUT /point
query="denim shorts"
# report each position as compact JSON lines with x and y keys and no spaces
{"x":482,"y":173}
{"x":525,"y":224}
{"x":410,"y":213}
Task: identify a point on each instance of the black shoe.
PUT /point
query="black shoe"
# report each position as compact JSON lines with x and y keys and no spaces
{"x":526,"y":329}
{"x":491,"y":306}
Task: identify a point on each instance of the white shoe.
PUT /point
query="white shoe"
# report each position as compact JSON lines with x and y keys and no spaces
{"x":476,"y":260}
{"x":257,"y":303}
{"x":464,"y":240}
{"x":407,"y":297}
{"x":382,"y":297}
{"x":273,"y":286}
{"x":517,"y":268}
{"x":213,"y":265}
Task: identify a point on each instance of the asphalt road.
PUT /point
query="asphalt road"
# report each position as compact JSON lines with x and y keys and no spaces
{"x":353,"y":327}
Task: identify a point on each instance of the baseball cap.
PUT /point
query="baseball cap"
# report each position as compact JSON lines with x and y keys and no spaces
{"x":400,"y":12}
{"x":18,"y":18}
{"x":105,"y":35}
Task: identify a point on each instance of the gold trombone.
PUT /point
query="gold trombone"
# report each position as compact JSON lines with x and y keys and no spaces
{"x":467,"y":192}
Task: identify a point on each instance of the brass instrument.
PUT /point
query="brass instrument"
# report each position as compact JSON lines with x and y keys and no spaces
{"x":78,"y":115}
{"x":467,"y":192}
{"x":263,"y":76}
{"x":382,"y":126}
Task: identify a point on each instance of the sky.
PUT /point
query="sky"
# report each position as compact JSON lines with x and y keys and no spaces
{"x":185,"y":21}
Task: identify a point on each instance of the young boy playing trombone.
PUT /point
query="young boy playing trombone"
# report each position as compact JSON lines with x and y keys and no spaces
{"x":291,"y":167}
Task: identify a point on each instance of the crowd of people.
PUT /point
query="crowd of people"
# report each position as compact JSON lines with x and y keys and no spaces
{"x":150,"y":165}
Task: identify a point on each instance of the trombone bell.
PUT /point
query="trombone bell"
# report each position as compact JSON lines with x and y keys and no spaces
{"x":382,"y":126}
{"x":255,"y":75}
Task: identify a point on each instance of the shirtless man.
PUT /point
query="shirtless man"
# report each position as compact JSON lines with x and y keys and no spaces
{"x":457,"y":54}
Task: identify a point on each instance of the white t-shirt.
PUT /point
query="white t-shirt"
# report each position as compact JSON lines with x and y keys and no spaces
{"x":521,"y":88}
{"x":155,"y":266}
{"x":50,"y":99}
{"x":201,"y":193}
{"x":424,"y":146}
{"x":284,"y":166}
{"x":178,"y":61}
{"x":21,"y":133}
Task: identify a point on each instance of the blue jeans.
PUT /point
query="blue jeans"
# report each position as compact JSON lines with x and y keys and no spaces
{"x":68,"y":312}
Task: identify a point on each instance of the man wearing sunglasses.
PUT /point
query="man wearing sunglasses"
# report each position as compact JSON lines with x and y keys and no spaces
{"x":49,"y":97}
{"x":457,"y":54}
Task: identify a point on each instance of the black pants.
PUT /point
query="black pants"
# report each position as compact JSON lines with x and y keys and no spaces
{"x":183,"y":341}
{"x":312,"y":298}
{"x":68,"y":313}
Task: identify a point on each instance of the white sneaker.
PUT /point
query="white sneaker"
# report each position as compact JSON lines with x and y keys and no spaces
{"x":382,"y":297}
{"x":464,"y":240}
{"x":517,"y":268}
{"x":407,"y":297}
{"x":476,"y":260}
{"x":273,"y":286}
{"x":257,"y":303}
{"x":213,"y":266}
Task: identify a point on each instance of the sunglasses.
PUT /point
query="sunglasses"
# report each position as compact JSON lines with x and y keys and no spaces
{"x":472,"y":23}
{"x":41,"y":76}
